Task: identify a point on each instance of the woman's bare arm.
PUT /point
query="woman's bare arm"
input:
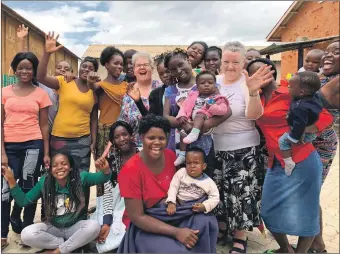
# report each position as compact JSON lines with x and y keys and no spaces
{"x":215,"y":121}
{"x":42,"y":77}
{"x":331,"y":91}
{"x":166,"y":113}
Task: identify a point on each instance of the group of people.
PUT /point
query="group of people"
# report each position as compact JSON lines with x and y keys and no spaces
{"x":213,"y":149}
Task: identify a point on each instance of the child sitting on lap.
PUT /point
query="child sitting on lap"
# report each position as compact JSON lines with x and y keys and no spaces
{"x":304,"y":111}
{"x":199,"y":106}
{"x":191,"y":183}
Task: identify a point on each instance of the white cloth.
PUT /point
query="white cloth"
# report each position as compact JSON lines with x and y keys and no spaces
{"x":187,"y":188}
{"x":237,"y":131}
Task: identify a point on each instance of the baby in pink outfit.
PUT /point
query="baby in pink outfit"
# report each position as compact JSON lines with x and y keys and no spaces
{"x":201,"y":105}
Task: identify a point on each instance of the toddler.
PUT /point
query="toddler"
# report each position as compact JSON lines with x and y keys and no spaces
{"x":191,"y":183}
{"x":199,"y":106}
{"x":312,"y":61}
{"x":304,"y":111}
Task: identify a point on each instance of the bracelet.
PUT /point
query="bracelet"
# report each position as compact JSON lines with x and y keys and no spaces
{"x":254,"y":95}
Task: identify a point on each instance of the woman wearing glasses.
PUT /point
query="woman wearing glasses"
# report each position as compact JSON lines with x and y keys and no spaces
{"x":142,"y":67}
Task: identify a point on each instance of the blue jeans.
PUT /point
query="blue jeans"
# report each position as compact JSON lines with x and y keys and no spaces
{"x":25,"y":159}
{"x":285,"y":145}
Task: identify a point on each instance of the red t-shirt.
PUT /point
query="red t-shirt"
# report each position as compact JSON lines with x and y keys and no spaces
{"x":273,"y":124}
{"x":138,"y":182}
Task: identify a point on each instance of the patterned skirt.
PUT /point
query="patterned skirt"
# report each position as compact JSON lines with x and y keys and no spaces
{"x":102,"y":138}
{"x":239,"y":176}
{"x":78,"y":148}
{"x":326,"y":145}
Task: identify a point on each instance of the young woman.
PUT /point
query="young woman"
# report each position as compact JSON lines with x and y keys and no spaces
{"x":63,"y":190}
{"x":196,"y":52}
{"x":212,"y":59}
{"x":144,"y":182}
{"x":25,"y":136}
{"x":122,"y":150}
{"x":75,"y":126}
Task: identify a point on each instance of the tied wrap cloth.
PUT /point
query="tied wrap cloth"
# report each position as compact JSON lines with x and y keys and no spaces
{"x":115,"y":92}
{"x":138,"y":241}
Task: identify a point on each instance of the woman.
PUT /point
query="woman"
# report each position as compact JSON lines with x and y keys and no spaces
{"x":327,"y":142}
{"x":238,"y":164}
{"x":196,"y":52}
{"x":144,"y":182}
{"x":293,"y":199}
{"x":156,"y":98}
{"x":179,"y":65}
{"x":63,"y":189}
{"x":212,"y":59}
{"x":129,"y":75}
{"x":25,"y":137}
{"x":142,"y":67}
{"x":75,"y":126}
{"x":251,"y":55}
{"x":123,"y":149}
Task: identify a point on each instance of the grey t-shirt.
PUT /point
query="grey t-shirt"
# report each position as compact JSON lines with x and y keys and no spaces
{"x":52,"y":110}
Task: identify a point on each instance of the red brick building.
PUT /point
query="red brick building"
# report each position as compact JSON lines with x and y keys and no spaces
{"x":305,"y":20}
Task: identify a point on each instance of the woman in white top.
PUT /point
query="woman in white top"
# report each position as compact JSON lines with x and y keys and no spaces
{"x":237,"y":172}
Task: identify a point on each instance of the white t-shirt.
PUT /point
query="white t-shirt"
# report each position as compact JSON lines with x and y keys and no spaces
{"x":237,"y":131}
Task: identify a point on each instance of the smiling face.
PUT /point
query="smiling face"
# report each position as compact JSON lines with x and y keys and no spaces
{"x":250,"y":56}
{"x":84,"y":70}
{"x":154,"y":142}
{"x":206,"y":84}
{"x":24,"y":71}
{"x":60,"y":167}
{"x":115,"y":66}
{"x":142,"y":69}
{"x":195,"y":53}
{"x":212,"y":61}
{"x":180,"y":68}
{"x":330,"y":60}
{"x":232,"y":65}
{"x":61,"y":68}
{"x":164,"y":74}
{"x":122,"y":139}
{"x":194,"y":162}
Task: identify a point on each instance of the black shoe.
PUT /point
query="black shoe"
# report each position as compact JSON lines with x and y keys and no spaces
{"x":16,"y":225}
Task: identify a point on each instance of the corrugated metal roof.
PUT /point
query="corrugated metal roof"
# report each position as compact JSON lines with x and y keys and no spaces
{"x":96,"y":49}
{"x":22,"y":20}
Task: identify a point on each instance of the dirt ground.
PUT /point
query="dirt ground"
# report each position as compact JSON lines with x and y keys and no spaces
{"x":256,"y":243}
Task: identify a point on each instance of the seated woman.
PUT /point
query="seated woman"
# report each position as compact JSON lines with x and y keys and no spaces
{"x":63,"y":189}
{"x":144,"y":182}
{"x":123,"y":149}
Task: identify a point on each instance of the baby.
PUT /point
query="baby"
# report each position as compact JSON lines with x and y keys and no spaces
{"x":199,"y":106}
{"x":191,"y":183}
{"x":304,"y":111}
{"x":312,"y":61}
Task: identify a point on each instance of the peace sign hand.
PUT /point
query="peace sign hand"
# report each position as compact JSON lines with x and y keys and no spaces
{"x":51,"y":43}
{"x":22,"y":31}
{"x":93,"y":77}
{"x":261,"y":77}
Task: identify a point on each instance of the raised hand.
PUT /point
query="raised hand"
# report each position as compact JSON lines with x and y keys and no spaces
{"x":22,"y":31}
{"x":51,"y":43}
{"x":69,"y":76}
{"x":93,"y":77}
{"x":133,"y":91}
{"x":261,"y":77}
{"x":102,"y":164}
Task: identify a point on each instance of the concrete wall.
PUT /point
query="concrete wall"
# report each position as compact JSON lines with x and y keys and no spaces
{"x":313,"y":20}
{"x":35,"y":42}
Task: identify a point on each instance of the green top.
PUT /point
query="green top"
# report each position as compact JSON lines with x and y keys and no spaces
{"x":62,"y":219}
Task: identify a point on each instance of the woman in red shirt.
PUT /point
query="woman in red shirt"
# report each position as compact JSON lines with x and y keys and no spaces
{"x":290,"y":204}
{"x":144,"y":182}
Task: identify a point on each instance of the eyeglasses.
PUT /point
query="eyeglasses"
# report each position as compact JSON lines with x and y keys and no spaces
{"x":142,"y":65}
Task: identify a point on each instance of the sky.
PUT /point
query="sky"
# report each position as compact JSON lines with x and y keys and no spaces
{"x":81,"y":23}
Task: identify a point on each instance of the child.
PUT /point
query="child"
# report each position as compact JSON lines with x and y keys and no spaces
{"x":63,"y":190}
{"x":312,"y":61}
{"x":191,"y":183}
{"x":199,"y":106}
{"x":304,"y":111}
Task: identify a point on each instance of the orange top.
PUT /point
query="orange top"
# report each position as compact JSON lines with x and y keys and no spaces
{"x":110,"y":100}
{"x":22,"y":114}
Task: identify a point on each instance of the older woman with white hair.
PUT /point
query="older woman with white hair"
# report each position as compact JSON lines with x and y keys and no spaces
{"x":238,"y":165}
{"x":142,"y":66}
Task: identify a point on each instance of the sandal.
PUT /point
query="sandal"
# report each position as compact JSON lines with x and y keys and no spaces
{"x":312,"y":250}
{"x":4,"y":243}
{"x":236,"y":249}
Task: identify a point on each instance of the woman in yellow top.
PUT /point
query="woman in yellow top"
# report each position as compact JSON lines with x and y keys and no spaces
{"x":75,"y":126}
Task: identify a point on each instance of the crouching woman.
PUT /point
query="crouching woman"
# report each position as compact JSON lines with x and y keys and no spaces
{"x":63,"y":188}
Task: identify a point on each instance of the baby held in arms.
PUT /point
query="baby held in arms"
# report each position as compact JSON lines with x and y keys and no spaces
{"x":304,"y":111}
{"x":199,"y":106}
{"x":191,"y":183}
